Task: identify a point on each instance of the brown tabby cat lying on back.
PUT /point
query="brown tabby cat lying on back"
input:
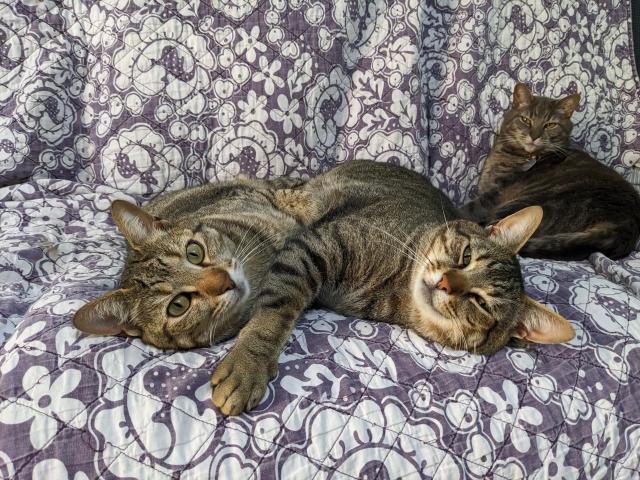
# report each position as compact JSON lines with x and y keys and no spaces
{"x":587,"y":206}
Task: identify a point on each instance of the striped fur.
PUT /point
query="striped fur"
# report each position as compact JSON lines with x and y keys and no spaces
{"x":240,"y":224}
{"x":381,"y":253}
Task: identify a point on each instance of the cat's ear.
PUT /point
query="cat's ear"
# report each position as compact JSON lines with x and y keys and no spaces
{"x":569,"y":104}
{"x":134,"y":223}
{"x":540,"y":324}
{"x":522,"y":96}
{"x":106,"y":315}
{"x":514,"y":231}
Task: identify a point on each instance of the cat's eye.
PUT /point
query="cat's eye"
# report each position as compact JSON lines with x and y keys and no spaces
{"x":179,"y":305}
{"x":525,"y":120}
{"x":195,"y":253}
{"x":466,"y":257}
{"x":550,"y":125}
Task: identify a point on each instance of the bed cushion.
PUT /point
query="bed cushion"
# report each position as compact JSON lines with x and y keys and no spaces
{"x":128,"y":99}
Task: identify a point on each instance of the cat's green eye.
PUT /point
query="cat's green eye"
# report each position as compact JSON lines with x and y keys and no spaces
{"x":525,"y":120}
{"x":195,"y":253}
{"x":179,"y":305}
{"x":550,"y":125}
{"x":466,"y":256}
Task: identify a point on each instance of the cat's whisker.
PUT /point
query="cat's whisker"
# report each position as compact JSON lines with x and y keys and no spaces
{"x":410,"y":253}
{"x":444,"y":215}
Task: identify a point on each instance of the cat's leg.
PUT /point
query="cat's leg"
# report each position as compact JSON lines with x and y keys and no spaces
{"x":294,"y":280}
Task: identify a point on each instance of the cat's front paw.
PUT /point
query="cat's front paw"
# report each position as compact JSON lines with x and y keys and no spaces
{"x":239,"y":382}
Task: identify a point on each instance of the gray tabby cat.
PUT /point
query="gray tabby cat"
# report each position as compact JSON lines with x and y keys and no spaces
{"x":385,"y":251}
{"x":588,"y":207}
{"x":196,"y":260}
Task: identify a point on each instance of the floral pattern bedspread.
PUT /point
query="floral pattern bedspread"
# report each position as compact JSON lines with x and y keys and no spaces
{"x":130,"y":98}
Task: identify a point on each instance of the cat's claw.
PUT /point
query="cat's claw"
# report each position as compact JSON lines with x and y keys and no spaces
{"x":239,"y":382}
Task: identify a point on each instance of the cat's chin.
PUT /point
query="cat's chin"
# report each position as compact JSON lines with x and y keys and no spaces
{"x":423,"y":298}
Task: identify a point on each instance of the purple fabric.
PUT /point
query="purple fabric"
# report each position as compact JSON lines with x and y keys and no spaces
{"x":130,"y":98}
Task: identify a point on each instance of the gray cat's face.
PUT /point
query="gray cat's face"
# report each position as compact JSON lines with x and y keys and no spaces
{"x":537,"y":125}
{"x":468,"y":287}
{"x":181,"y":287}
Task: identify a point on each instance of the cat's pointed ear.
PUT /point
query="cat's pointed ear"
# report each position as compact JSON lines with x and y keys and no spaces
{"x":106,"y":315}
{"x":569,"y":104}
{"x":540,"y":324}
{"x":134,"y":223}
{"x":515,"y":230}
{"x":522,"y":96}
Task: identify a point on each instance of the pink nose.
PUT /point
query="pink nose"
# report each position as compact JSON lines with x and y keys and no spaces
{"x":443,"y":284}
{"x":215,"y":282}
{"x":453,"y":282}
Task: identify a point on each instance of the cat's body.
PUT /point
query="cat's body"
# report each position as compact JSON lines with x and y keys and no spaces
{"x":384,"y":245}
{"x":392,"y":251}
{"x":588,"y":207}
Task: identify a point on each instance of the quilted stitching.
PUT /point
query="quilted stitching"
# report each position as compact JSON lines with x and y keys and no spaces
{"x":130,"y":98}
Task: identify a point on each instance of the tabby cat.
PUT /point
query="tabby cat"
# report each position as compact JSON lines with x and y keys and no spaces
{"x":390,"y":250}
{"x":587,"y":206}
{"x":196,"y":261}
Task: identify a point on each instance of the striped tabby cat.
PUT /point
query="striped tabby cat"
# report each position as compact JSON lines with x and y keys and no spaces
{"x":386,"y":252}
{"x":588,"y":207}
{"x":192,"y":274}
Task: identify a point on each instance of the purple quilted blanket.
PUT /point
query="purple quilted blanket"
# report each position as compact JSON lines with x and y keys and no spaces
{"x":131,"y":98}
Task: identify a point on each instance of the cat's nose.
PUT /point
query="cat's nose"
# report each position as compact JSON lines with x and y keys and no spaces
{"x":229,"y":284}
{"x":452,"y":282}
{"x":215,"y":282}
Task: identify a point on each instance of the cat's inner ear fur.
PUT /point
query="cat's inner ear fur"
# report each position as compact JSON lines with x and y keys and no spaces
{"x":514,"y":231}
{"x":540,"y":324}
{"x":106,"y":315}
{"x":134,"y":223}
{"x":568,"y":105}
{"x":522,"y":96}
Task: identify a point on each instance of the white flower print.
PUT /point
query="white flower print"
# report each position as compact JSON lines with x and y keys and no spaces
{"x":374,"y":28}
{"x":287,"y":113}
{"x":253,"y":108}
{"x":54,"y":468}
{"x":329,"y":109}
{"x":46,"y":404}
{"x":13,"y":146}
{"x":247,"y":148}
{"x":603,"y":143}
{"x":45,"y":108}
{"x":393,"y":147}
{"x":21,"y":342}
{"x":495,"y":99}
{"x":510,"y":415}
{"x":267,"y":74}
{"x":553,"y":459}
{"x":137,"y":161}
{"x":168,"y":60}
{"x":19,"y":53}
{"x":249,"y":43}
{"x":518,"y":24}
{"x":235,"y":9}
{"x":404,"y":108}
{"x":92,"y":24}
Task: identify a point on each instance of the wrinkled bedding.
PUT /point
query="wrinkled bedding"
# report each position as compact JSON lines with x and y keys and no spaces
{"x":132,"y":98}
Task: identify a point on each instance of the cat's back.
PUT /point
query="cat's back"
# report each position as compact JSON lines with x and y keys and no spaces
{"x":240,"y":195}
{"x":579,"y":177}
{"x":375,"y":190}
